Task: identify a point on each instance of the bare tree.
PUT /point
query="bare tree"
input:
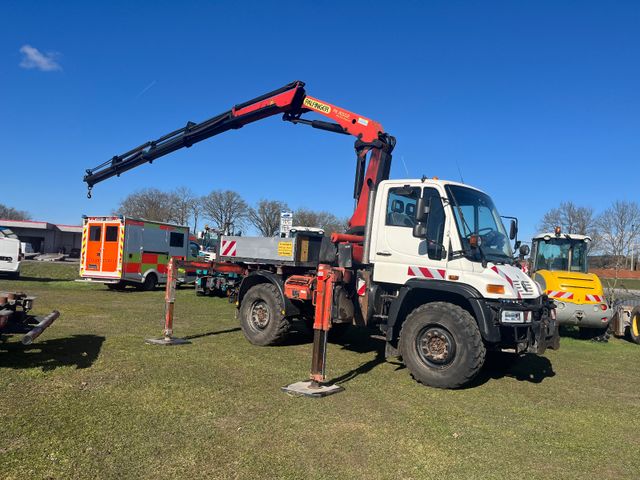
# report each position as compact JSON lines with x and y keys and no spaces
{"x":319,"y":219}
{"x":619,"y":228}
{"x":266,"y":217}
{"x":10,"y":213}
{"x":150,"y":204}
{"x":226,"y":209}
{"x":183,"y":205}
{"x":571,"y":218}
{"x":196,"y":211}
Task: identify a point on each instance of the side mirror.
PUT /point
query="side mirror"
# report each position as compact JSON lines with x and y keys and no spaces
{"x":513,"y":230}
{"x":422,"y":210}
{"x":517,"y":244}
{"x":524,"y":250}
{"x":420,"y":230}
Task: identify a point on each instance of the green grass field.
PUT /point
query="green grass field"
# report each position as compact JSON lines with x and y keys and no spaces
{"x":90,"y":400}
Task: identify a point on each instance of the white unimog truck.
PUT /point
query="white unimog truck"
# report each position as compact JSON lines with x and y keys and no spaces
{"x":426,"y":261}
{"x":440,"y":285}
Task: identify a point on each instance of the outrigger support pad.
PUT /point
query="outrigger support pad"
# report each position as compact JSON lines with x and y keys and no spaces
{"x":312,"y":389}
{"x":166,"y":341}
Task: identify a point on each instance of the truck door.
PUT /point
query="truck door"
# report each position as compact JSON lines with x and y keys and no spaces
{"x":398,"y":255}
{"x":102,"y":249}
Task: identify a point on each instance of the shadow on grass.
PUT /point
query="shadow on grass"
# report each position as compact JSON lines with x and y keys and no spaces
{"x":528,"y":368}
{"x":79,"y":351}
{"x":209,"y":334}
{"x":42,"y":279}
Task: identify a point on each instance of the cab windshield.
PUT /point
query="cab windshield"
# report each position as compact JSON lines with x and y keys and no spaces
{"x":475,"y":214}
{"x":561,"y":254}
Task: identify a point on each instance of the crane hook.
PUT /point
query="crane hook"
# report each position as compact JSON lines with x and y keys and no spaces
{"x":89,"y":191}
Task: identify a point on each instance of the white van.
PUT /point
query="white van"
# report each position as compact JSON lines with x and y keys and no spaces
{"x":10,"y":256}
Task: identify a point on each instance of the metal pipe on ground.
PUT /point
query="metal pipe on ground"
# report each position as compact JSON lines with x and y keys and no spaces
{"x":36,"y":331}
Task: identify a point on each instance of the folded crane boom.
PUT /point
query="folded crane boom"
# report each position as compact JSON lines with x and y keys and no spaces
{"x":292,"y":101}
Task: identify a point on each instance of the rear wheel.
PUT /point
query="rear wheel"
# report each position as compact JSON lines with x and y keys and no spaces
{"x":441,"y":345}
{"x":634,"y":326}
{"x":262,"y":315}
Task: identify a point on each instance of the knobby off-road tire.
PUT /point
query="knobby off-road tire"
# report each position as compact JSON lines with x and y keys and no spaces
{"x":634,"y":325}
{"x":261,"y":317}
{"x":441,"y":345}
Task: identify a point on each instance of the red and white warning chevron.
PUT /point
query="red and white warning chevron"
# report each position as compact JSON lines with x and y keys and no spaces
{"x":361,"y":287}
{"x":503,"y":275}
{"x":425,"y":272}
{"x":593,"y":298}
{"x":228,"y":248}
{"x":560,"y":294}
{"x":507,"y":278}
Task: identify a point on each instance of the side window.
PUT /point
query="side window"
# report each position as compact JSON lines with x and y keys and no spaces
{"x":95,"y":233}
{"x":435,"y":223}
{"x":111,"y":234}
{"x":176,"y":239}
{"x":401,"y":206}
{"x":194,"y":249}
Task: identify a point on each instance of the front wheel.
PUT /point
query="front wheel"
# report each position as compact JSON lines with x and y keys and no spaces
{"x":441,"y":345}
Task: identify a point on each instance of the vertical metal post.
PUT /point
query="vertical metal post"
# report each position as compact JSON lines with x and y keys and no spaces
{"x":169,"y":299}
{"x":169,"y":302}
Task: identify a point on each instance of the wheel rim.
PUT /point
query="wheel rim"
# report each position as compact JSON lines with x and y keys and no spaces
{"x":436,"y":346}
{"x":259,"y":315}
{"x":634,"y":325}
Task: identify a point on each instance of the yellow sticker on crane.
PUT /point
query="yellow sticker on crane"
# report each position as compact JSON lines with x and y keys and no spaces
{"x":285,"y":249}
{"x":316,"y":105}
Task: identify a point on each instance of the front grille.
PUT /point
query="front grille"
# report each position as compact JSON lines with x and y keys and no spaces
{"x":523,"y":286}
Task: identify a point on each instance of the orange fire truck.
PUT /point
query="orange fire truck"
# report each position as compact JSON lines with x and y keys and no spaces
{"x":120,"y":251}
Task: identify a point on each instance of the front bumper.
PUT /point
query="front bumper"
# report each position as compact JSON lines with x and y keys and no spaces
{"x":537,"y":331}
{"x":587,"y":315}
{"x":9,"y":267}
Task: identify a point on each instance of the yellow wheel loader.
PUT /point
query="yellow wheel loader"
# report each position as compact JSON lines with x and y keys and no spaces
{"x":559,"y":266}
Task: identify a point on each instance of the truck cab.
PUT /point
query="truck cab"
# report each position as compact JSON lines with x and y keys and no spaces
{"x":559,"y":266}
{"x":443,"y":241}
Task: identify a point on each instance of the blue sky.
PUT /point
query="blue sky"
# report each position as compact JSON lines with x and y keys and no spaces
{"x":534,"y":102}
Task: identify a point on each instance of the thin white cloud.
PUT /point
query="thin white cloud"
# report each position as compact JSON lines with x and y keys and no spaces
{"x":34,"y":58}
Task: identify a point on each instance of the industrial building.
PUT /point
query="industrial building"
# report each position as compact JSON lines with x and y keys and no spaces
{"x":46,"y":237}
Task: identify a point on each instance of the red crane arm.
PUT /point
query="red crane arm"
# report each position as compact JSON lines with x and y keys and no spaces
{"x":292,"y":101}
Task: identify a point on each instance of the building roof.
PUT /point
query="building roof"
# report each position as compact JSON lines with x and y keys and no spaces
{"x":40,"y":225}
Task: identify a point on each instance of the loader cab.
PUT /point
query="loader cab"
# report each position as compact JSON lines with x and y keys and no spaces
{"x":560,"y":252}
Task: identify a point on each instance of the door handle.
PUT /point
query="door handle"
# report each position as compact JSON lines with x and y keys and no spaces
{"x":384,"y":254}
